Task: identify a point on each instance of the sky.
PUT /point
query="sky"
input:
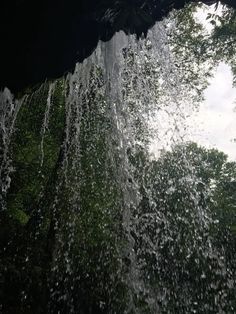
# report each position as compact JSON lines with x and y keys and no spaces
{"x":213,"y":125}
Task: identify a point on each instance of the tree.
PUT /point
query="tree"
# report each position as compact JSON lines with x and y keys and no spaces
{"x":184,"y":233}
{"x":205,"y":48}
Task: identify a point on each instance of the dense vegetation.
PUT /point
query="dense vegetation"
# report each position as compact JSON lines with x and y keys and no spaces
{"x":63,"y":240}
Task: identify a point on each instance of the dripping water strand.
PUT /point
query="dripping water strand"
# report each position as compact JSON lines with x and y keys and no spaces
{"x":9,"y":109}
{"x":45,"y":124}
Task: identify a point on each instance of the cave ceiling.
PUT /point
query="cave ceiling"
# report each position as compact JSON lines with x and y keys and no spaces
{"x":44,"y":39}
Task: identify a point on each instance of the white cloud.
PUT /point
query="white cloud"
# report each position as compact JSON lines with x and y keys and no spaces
{"x":212,"y":125}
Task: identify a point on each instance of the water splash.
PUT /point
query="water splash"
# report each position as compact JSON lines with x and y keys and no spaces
{"x":46,"y":119}
{"x":9,"y":107}
{"x":118,"y":219}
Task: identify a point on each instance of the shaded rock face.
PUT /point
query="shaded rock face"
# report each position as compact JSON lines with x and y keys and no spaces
{"x":43,"y":40}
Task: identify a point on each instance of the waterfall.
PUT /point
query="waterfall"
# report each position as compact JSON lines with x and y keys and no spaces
{"x":46,"y":118}
{"x":8,"y":113}
{"x":116,"y":230}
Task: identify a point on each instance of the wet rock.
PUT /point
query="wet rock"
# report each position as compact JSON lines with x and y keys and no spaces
{"x":43,"y":40}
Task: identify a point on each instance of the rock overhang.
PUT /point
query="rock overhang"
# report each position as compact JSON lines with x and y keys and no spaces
{"x":43,"y":40}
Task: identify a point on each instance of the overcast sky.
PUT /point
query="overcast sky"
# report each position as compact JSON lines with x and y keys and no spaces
{"x":213,"y":125}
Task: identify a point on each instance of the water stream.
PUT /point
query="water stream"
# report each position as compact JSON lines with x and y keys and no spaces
{"x":117,"y":231}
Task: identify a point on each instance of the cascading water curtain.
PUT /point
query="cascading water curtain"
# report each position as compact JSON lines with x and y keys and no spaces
{"x":94,"y":223}
{"x":8,"y":112}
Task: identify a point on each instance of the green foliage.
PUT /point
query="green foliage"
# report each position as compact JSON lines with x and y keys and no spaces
{"x":203,"y":50}
{"x":29,"y":177}
{"x":187,"y":211}
{"x":62,"y":230}
{"x":190,"y":47}
{"x":223,"y":39}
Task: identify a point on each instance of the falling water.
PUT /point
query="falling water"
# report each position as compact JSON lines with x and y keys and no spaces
{"x":115,"y":221}
{"x":8,"y":113}
{"x":46,"y":118}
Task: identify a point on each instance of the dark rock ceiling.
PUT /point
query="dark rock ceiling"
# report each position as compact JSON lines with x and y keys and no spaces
{"x":44,"y":39}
